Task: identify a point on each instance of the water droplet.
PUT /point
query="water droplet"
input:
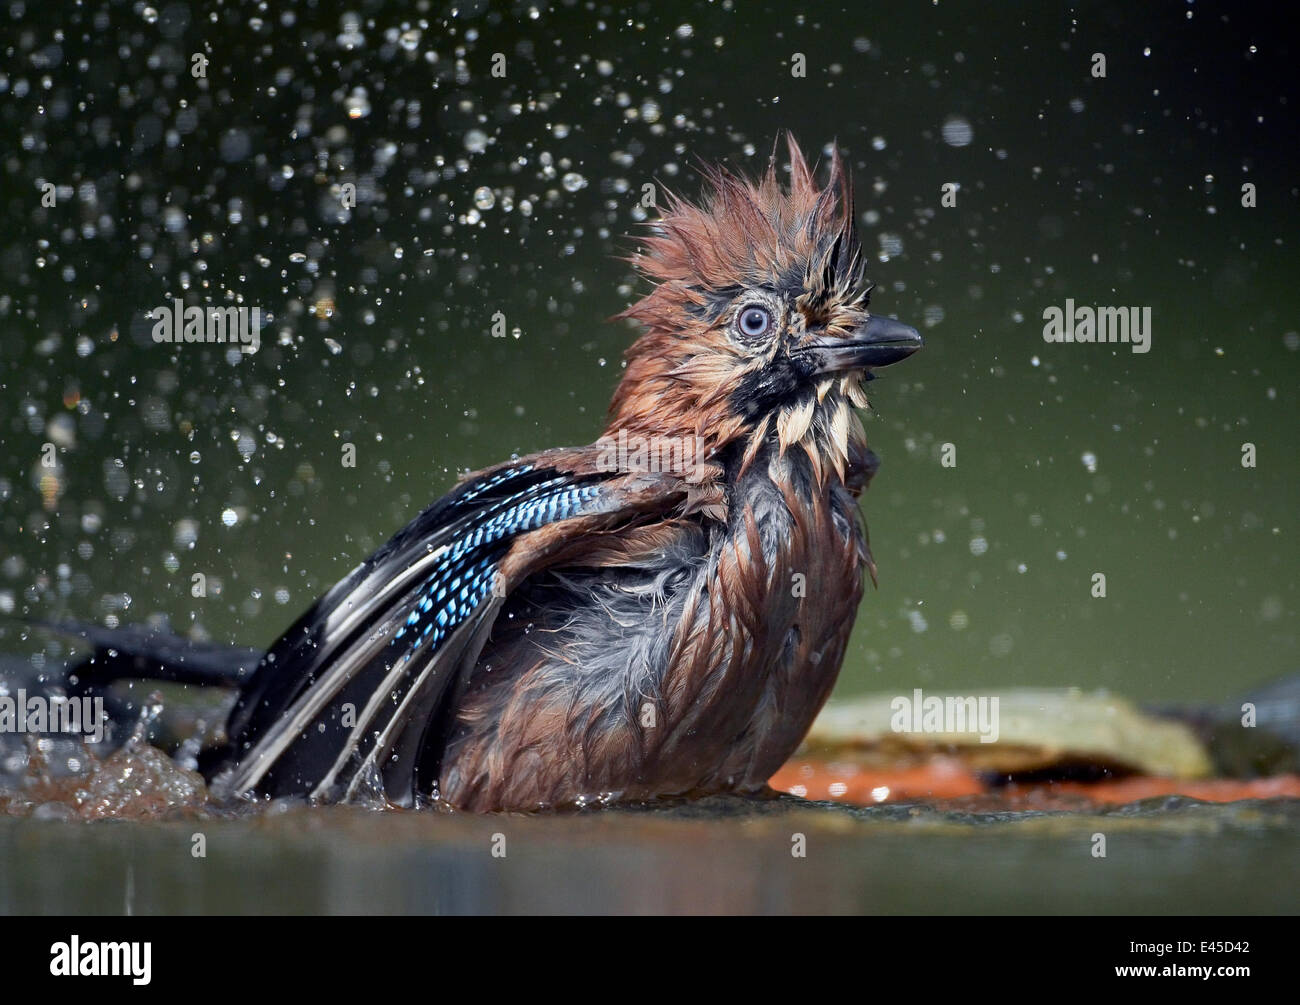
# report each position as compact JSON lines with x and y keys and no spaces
{"x":185,"y":533}
{"x":150,"y":709}
{"x":357,"y":103}
{"x":957,"y":132}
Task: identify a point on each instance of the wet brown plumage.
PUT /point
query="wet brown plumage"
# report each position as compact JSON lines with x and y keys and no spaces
{"x":561,"y":629}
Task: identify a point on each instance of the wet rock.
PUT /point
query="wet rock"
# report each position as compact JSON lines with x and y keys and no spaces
{"x":1255,"y":736}
{"x":1037,"y":731}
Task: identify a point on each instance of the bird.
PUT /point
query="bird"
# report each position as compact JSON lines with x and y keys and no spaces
{"x":657,"y":615}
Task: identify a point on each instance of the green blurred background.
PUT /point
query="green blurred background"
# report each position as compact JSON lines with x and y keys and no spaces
{"x":479,"y":194}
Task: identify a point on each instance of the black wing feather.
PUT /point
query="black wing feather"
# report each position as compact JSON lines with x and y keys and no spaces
{"x":340,"y":704}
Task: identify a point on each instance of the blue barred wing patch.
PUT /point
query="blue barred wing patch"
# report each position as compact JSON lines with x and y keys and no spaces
{"x":456,"y":587}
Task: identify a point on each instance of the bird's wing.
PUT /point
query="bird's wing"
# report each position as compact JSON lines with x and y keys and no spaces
{"x":340,"y":704}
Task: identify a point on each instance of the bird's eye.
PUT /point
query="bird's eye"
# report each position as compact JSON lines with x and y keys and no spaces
{"x":754,"y":322}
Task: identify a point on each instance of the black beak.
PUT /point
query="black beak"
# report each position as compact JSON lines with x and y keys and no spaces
{"x":881,"y":342}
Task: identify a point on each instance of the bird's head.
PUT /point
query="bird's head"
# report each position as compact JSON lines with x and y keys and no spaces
{"x":757,"y":329}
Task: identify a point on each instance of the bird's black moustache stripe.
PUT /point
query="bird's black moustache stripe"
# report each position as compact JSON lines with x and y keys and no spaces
{"x":762,"y":390}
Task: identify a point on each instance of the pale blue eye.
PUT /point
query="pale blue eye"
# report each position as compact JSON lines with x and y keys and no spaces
{"x":754,"y":321}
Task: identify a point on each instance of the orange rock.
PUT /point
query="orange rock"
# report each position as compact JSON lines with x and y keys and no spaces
{"x":844,"y":781}
{"x":949,"y":778}
{"x":1211,"y":790}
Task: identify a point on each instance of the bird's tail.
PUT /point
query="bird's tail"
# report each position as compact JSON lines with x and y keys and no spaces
{"x":138,"y":652}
